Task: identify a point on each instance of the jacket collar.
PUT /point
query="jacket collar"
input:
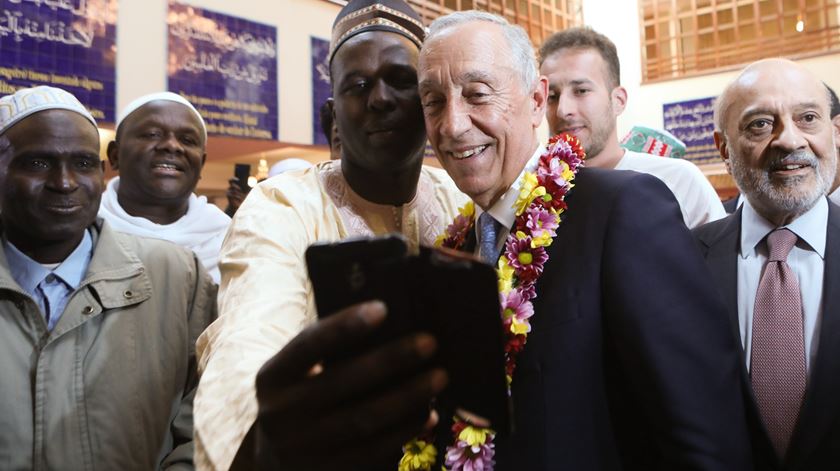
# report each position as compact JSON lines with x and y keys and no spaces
{"x":112,"y":264}
{"x":721,"y":242}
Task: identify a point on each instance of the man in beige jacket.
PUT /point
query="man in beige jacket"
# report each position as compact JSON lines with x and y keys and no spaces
{"x":97,"y":328}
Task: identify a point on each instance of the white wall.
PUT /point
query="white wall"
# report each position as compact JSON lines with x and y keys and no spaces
{"x":619,"y":20}
{"x":141,"y":50}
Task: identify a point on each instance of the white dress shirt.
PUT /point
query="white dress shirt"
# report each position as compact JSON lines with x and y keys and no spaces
{"x":503,"y":209}
{"x":806,"y":259}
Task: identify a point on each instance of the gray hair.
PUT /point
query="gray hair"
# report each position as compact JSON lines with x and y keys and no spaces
{"x":520,"y":45}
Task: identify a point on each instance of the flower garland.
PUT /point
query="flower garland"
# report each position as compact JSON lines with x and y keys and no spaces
{"x":540,"y":203}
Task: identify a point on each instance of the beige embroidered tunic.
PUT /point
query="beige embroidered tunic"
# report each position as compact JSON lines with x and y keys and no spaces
{"x":265,"y":297}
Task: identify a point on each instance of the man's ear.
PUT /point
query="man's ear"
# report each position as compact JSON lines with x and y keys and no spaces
{"x":113,"y":155}
{"x":836,"y":122}
{"x":539,"y":97}
{"x":619,"y":100}
{"x":720,"y":143}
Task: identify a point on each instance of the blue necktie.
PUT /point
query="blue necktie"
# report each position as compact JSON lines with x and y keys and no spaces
{"x":488,"y":229}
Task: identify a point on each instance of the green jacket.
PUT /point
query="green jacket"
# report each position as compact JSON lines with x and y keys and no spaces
{"x":111,"y":387}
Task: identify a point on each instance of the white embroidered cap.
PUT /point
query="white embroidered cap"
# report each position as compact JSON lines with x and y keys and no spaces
{"x":28,"y":101}
{"x":166,"y":96}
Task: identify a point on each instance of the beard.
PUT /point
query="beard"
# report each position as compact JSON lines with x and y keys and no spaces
{"x":794,"y":195}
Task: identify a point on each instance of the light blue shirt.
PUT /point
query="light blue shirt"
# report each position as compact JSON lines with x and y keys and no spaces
{"x":806,"y":259}
{"x":51,"y":289}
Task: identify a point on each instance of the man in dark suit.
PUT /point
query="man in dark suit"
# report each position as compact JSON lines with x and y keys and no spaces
{"x":775,"y":261}
{"x":629,"y":363}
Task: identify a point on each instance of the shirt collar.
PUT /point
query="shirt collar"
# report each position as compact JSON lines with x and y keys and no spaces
{"x":503,"y":210}
{"x":810,"y":227}
{"x":28,"y":273}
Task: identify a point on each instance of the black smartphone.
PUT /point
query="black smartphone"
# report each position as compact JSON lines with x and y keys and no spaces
{"x":242,"y":172}
{"x":448,"y":294}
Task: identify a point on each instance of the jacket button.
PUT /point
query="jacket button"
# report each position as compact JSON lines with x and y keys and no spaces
{"x":128,"y":293}
{"x":87,"y":310}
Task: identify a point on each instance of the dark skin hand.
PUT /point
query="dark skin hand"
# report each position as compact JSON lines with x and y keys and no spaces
{"x":352,"y":414}
{"x":235,"y":196}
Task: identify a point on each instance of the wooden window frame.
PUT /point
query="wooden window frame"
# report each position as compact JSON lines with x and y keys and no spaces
{"x":725,"y":45}
{"x":540,"y":18}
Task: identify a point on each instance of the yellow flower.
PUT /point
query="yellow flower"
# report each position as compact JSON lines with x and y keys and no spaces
{"x":544,"y":240}
{"x":474,"y":436}
{"x":568,"y":174}
{"x":518,"y":327}
{"x":418,"y":455}
{"x":528,"y":192}
{"x":439,"y":240}
{"x":505,"y":286}
{"x":505,"y":274}
{"x":467,"y":210}
{"x":521,"y":235}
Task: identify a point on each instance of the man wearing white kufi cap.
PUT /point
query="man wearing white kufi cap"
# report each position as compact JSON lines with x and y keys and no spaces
{"x":159,"y":151}
{"x":97,"y":328}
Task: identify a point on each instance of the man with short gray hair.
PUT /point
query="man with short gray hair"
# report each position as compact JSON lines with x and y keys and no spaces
{"x":618,"y":372}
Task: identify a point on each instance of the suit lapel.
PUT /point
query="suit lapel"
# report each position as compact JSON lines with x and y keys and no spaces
{"x":724,"y":266}
{"x":722,"y":258}
{"x":820,"y":407}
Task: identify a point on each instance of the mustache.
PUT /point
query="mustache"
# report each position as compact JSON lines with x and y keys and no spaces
{"x":800,"y":157}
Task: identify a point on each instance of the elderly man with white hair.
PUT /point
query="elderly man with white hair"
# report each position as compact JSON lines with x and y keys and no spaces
{"x":97,"y":328}
{"x":620,"y":354}
{"x":159,"y":151}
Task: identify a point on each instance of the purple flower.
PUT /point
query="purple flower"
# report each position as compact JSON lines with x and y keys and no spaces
{"x":516,"y":306}
{"x":528,"y":290}
{"x":464,"y":457}
{"x":528,"y":262}
{"x":539,"y":221}
{"x":456,"y":232}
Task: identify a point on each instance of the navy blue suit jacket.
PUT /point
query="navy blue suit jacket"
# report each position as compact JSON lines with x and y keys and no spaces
{"x":631,"y":364}
{"x":731,"y":204}
{"x":815,"y":445}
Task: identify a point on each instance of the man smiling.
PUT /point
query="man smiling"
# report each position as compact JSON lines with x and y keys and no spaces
{"x":159,"y":151}
{"x":775,"y":261}
{"x":619,"y":372}
{"x":97,"y":328}
{"x":379,"y":186}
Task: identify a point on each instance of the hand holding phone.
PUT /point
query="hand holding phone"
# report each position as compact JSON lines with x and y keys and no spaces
{"x":352,"y":414}
{"x":418,"y":291}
